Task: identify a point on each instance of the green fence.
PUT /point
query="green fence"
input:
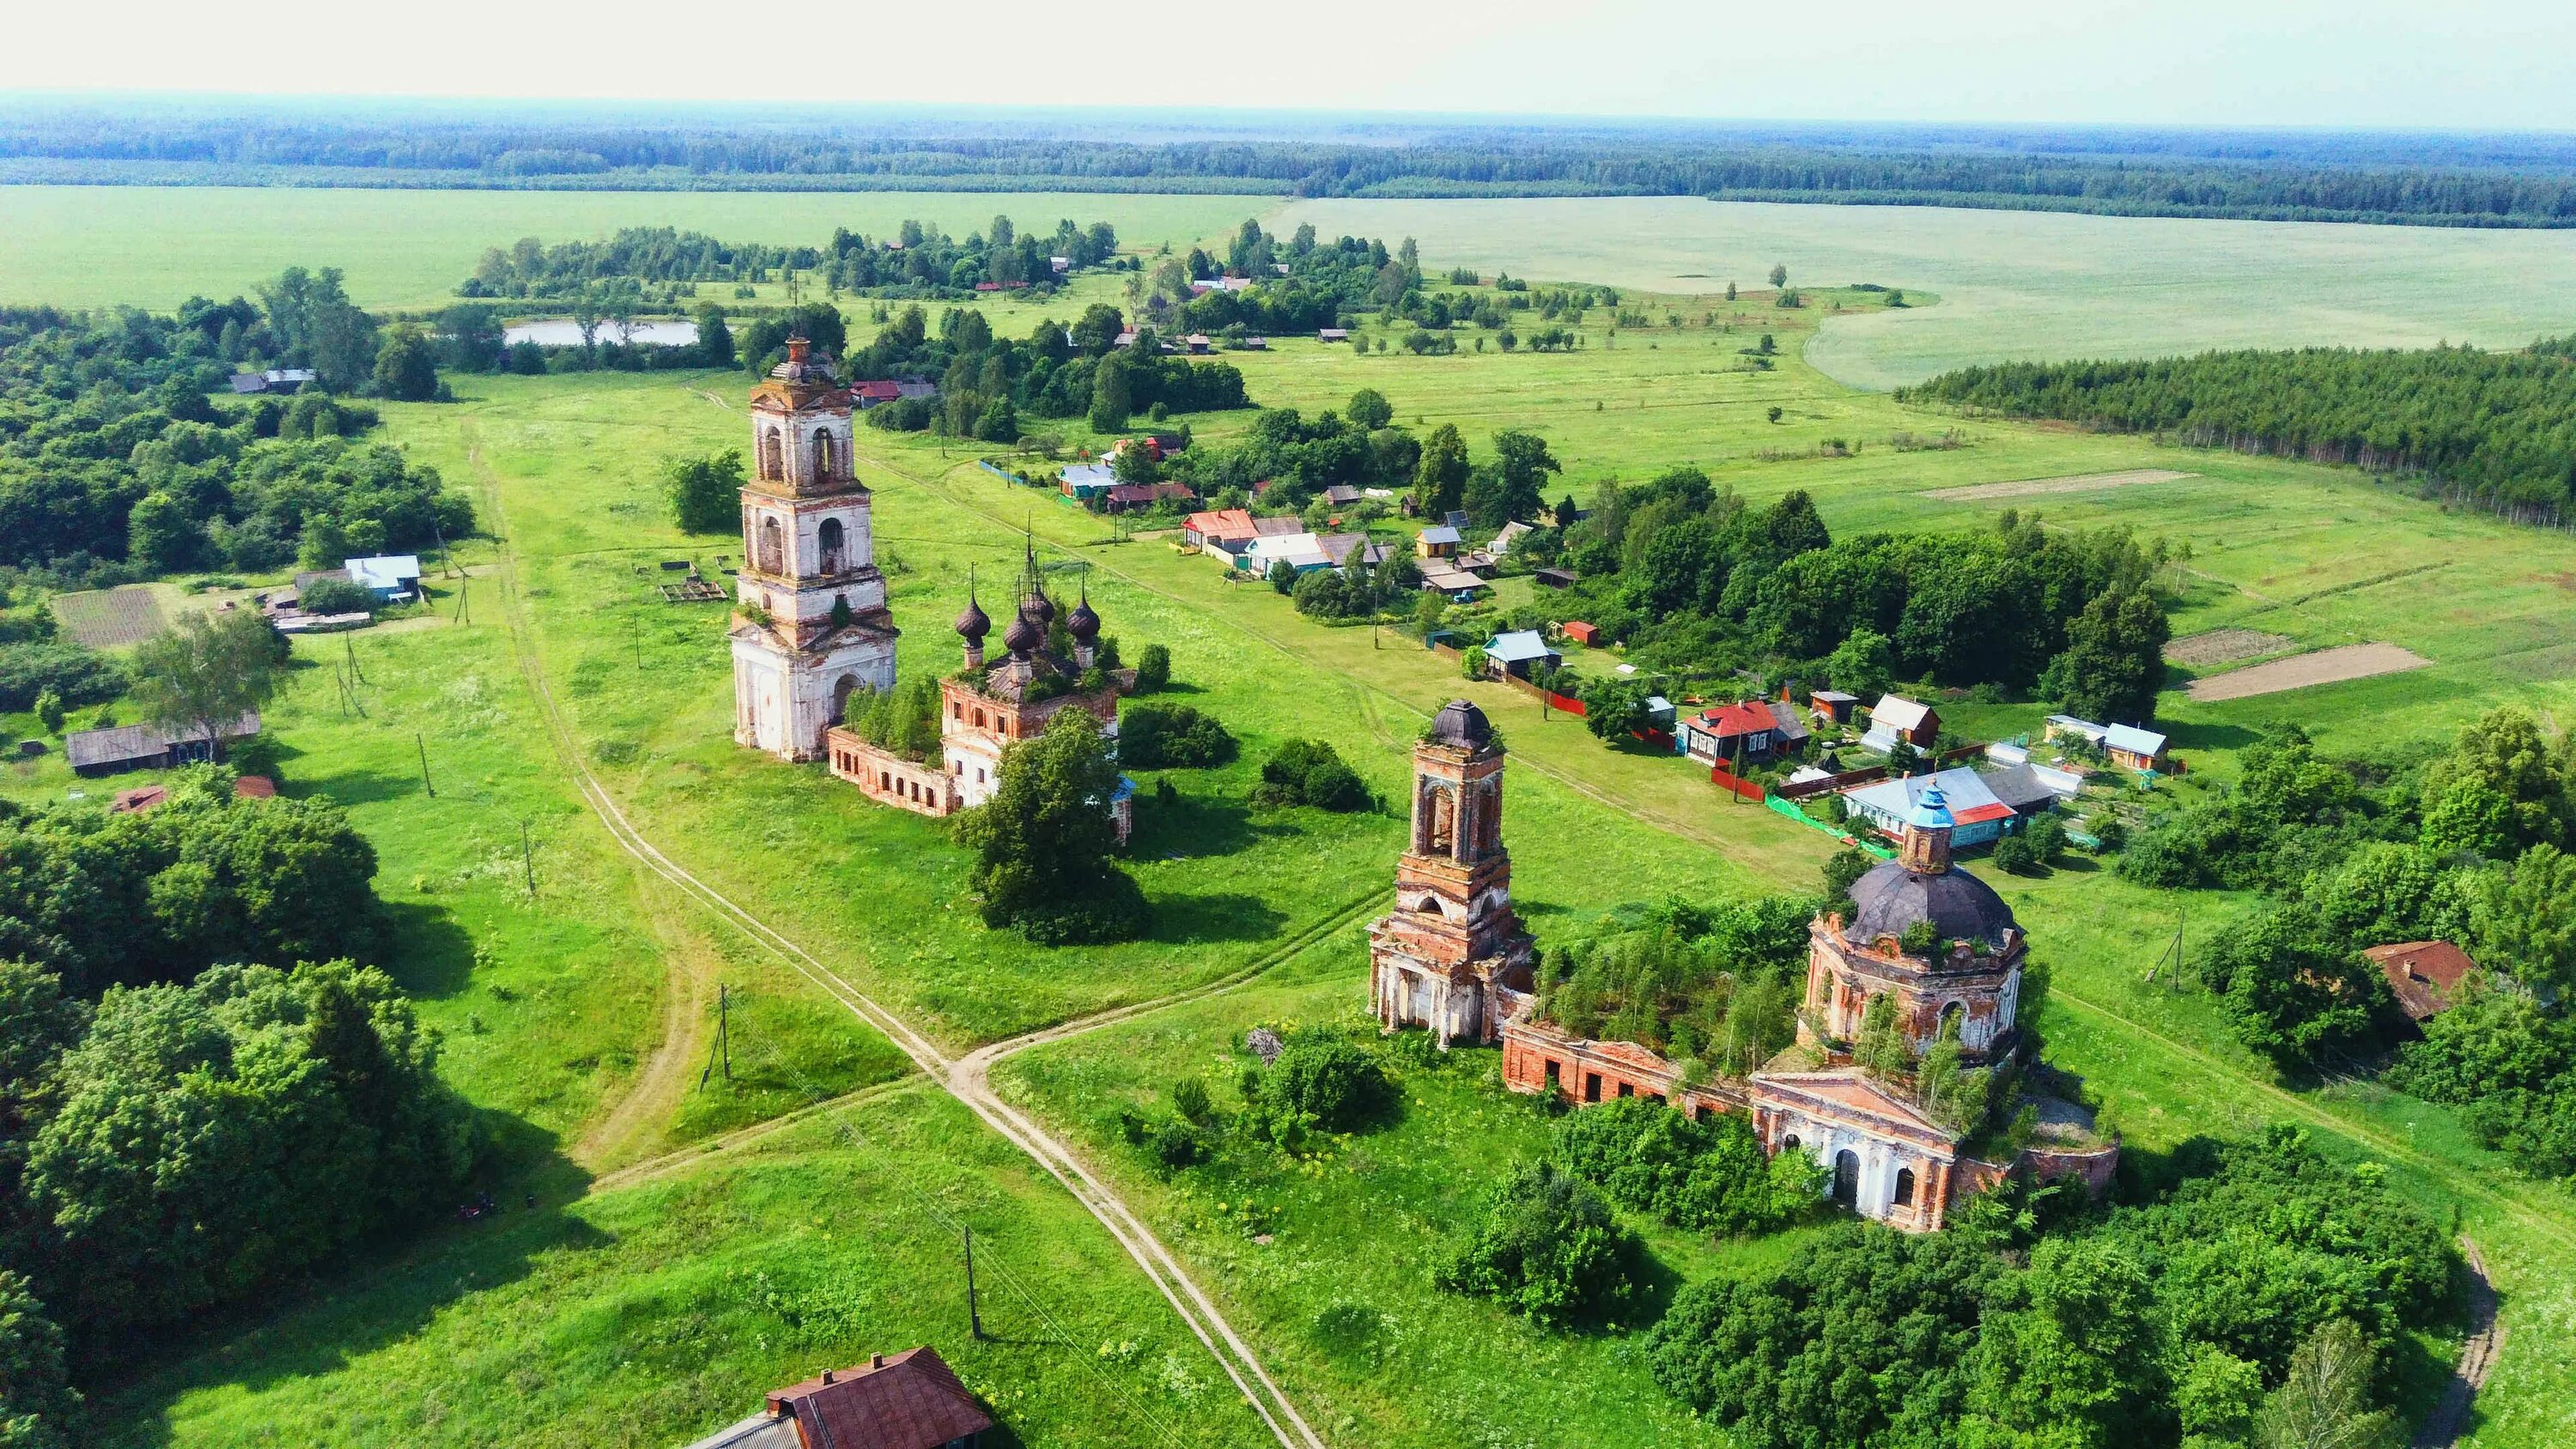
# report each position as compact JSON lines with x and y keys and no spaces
{"x":1790,"y":809}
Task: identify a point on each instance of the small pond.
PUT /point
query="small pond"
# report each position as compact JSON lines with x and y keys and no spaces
{"x":564,"y":332}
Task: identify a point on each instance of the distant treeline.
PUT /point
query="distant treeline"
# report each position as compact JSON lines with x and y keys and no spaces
{"x":2496,"y":429}
{"x":2458,"y":181}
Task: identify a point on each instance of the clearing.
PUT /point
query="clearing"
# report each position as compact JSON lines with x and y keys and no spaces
{"x":2078,"y":483}
{"x":2322,"y":666}
{"x":2224,"y":646}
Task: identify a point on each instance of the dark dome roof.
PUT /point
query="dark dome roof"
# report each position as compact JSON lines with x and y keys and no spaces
{"x":1040,"y":607}
{"x":972,"y":623}
{"x":1083,"y":624}
{"x":1024,"y":635}
{"x":1889,"y":898}
{"x":1461,"y":723}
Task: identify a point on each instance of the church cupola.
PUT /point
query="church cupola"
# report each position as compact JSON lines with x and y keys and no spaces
{"x":972,"y":625}
{"x":1927,"y":833}
{"x":1084,"y":626}
{"x":1025,"y":634}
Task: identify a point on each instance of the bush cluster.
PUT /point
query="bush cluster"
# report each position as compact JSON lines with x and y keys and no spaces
{"x":1310,"y":772}
{"x":1171,"y":736}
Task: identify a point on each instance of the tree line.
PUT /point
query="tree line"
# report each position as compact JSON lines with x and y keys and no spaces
{"x":178,"y":1130}
{"x":116,"y":465}
{"x":2456,"y":181}
{"x":917,"y":260}
{"x":2497,"y":429}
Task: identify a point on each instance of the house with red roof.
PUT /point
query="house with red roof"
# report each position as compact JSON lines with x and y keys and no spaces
{"x":2425,"y":975}
{"x":869,"y":394}
{"x":907,"y":1400}
{"x":1752,"y":730}
{"x":1229,"y":529}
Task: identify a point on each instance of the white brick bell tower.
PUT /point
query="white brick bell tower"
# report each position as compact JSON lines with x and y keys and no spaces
{"x":811,"y":627}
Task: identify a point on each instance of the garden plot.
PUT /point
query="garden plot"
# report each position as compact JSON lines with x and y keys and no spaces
{"x":2074,"y":483}
{"x":2224,"y":646}
{"x":107,"y":618}
{"x":2322,"y":666}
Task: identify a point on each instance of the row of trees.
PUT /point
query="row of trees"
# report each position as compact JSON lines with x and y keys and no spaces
{"x":2467,"y":180}
{"x":111,"y":451}
{"x":2496,"y":428}
{"x":1695,"y":580}
{"x":918,"y":260}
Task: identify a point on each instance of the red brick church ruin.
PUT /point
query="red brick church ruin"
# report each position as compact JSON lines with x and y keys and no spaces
{"x":1451,"y":958}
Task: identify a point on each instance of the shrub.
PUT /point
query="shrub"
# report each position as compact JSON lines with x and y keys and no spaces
{"x":1168,"y":736}
{"x":1708,"y":1173}
{"x":1153,"y":669}
{"x":1471,"y":662}
{"x":1329,"y":1081}
{"x":1549,"y":1248}
{"x":336,"y":596}
{"x":74,"y":674}
{"x":2014,"y":854}
{"x":1309,"y":772}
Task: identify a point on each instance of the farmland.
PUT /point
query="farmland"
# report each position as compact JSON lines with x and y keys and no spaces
{"x":146,"y":246}
{"x":699,"y":1267}
{"x":2017,"y":284}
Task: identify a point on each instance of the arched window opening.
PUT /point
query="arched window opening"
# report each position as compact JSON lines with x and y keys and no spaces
{"x":1444,"y":820}
{"x":1789,"y":1143}
{"x":772,"y":467}
{"x":773,"y":547}
{"x":841,"y":692}
{"x":1954,"y":1020}
{"x":1847,"y":1177}
{"x":835,"y":540}
{"x":1905,"y":1187}
{"x":822,"y":465}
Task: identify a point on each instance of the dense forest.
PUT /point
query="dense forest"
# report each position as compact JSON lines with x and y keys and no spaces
{"x":180,"y":1130}
{"x":2444,"y":180}
{"x":2496,"y":429}
{"x":116,"y":465}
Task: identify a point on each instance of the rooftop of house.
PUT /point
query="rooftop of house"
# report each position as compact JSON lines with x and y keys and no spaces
{"x":1898,"y":713}
{"x":139,"y":742}
{"x":385,"y":571}
{"x":1223,"y":523}
{"x":1519,"y":646}
{"x":1971,"y":800}
{"x":1440,"y":533}
{"x":2425,"y":975}
{"x":907,"y":1400}
{"x":1727,"y":720}
{"x":2133,"y":739}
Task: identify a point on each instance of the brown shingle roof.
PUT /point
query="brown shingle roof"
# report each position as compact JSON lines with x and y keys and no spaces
{"x":2426,"y":975}
{"x":907,"y":1400}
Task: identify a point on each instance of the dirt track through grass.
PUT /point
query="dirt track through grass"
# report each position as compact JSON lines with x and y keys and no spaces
{"x":2322,"y":666}
{"x":2074,"y":483}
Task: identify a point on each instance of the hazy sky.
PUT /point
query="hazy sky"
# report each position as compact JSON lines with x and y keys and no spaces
{"x":2457,"y":63}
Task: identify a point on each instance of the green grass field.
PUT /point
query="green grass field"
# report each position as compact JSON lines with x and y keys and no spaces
{"x":2017,"y":284}
{"x":153,"y":246}
{"x":663,"y":1303}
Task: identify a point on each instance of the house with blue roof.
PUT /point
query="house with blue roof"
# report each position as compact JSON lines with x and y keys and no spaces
{"x":1519,"y":652}
{"x":392,"y":578}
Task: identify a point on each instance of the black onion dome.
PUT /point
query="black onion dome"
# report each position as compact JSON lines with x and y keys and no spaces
{"x":1889,"y":898}
{"x":1460,"y":723}
{"x":1083,"y":624}
{"x":1024,"y":635}
{"x":1039,"y":607}
{"x":972,"y":624}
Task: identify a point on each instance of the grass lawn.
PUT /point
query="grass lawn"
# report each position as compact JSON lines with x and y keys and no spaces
{"x":660,"y":1311}
{"x":154,"y":246}
{"x":2014,"y":284}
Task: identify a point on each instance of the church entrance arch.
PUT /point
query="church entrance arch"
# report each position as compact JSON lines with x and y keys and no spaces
{"x":841,"y":692}
{"x":1847,"y":1177}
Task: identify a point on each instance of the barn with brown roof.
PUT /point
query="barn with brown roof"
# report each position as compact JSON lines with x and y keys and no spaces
{"x":2425,"y":975}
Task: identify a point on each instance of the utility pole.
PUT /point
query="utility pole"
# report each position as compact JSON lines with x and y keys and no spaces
{"x":974,"y":1319}
{"x":723,"y":1048}
{"x":423,"y":746}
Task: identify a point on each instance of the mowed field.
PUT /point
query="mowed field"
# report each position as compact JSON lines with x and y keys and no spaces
{"x":2018,"y":284}
{"x":146,"y":246}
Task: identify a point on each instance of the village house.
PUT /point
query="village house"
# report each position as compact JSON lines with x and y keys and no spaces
{"x":392,"y":578}
{"x":869,"y":394}
{"x":1576,"y":631}
{"x":1451,"y":957}
{"x":2125,"y":746}
{"x":1978,"y":808}
{"x":1083,"y":482}
{"x":1229,"y":529}
{"x":1332,"y":334}
{"x":1300,"y":551}
{"x":908,"y":1400}
{"x":1345,"y":548}
{"x":1440,"y":576}
{"x":1520,"y":654}
{"x":146,"y":747}
{"x":1438,"y":541}
{"x":1752,"y":731}
{"x":1832,"y":706}
{"x":276,"y":379}
{"x":1896,"y":718}
{"x":2425,"y":976}
{"x":1136,"y":497}
{"x":1882,"y":1155}
{"x":1555,"y":578}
